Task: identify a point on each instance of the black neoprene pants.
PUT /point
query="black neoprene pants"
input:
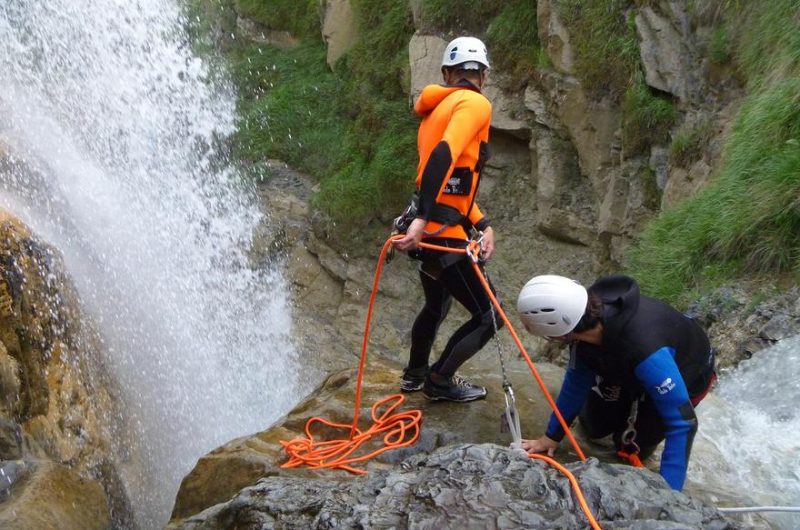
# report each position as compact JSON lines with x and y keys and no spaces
{"x":600,"y":417}
{"x":457,"y":281}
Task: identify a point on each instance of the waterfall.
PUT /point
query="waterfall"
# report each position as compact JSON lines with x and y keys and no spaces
{"x":747,"y":451}
{"x":119,"y":124}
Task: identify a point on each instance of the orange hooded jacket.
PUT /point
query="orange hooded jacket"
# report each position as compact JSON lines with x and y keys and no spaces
{"x":453,"y":144}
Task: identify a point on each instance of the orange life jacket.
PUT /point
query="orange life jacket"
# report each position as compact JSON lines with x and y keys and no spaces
{"x":459,"y":116}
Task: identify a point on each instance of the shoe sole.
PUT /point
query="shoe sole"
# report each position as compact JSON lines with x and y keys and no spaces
{"x":408,"y":390}
{"x":444,"y":398}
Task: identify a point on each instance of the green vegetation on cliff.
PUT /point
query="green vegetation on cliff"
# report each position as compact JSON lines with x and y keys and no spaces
{"x":352,"y":127}
{"x":747,"y":221}
{"x":606,"y":48}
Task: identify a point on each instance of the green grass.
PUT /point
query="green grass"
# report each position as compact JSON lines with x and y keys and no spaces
{"x":513,"y":40}
{"x":458,"y":17}
{"x":298,"y":17}
{"x":646,"y":118}
{"x":770,"y":42}
{"x":604,"y":43}
{"x":690,"y":143}
{"x":288,"y":109}
{"x":379,"y":60}
{"x":747,"y":221}
{"x":719,"y":48}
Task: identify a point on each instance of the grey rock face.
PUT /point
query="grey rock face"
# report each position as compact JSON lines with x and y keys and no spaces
{"x":464,"y":486}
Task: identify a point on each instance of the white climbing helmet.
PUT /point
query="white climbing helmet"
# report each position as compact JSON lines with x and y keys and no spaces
{"x":468,"y":52}
{"x":551,"y":306}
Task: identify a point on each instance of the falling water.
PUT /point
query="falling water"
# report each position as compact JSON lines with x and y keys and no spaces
{"x":117,"y":121}
{"x":747,"y":452}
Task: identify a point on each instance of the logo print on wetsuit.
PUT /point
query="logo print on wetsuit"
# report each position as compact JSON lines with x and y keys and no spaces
{"x":666,"y":386}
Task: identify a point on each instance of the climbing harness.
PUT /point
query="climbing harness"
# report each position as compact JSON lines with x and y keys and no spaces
{"x":402,"y":429}
{"x":629,"y":449}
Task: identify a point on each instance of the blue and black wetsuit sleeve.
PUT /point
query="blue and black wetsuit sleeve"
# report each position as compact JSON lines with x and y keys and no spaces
{"x":664,"y":384}
{"x":433,"y":176}
{"x":578,"y":382}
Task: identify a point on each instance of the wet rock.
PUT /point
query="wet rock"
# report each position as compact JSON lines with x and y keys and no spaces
{"x":743,"y":319}
{"x":55,"y":396}
{"x":464,"y":486}
{"x":242,"y":462}
{"x":11,"y":471}
{"x":780,"y":327}
{"x":11,"y":442}
{"x":48,"y":495}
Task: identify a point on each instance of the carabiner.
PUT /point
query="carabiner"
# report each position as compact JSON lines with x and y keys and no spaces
{"x":512,"y":417}
{"x":474,"y":247}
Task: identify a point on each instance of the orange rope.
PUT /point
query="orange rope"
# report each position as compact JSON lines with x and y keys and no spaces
{"x":575,"y":487}
{"x":337,"y":453}
{"x":399,"y":430}
{"x":633,"y":458}
{"x":527,"y":357}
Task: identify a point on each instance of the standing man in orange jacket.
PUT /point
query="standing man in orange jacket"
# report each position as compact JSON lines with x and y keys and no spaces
{"x":453,"y":148}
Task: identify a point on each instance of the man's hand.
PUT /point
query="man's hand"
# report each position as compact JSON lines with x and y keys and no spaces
{"x":413,"y":236}
{"x":540,"y":445}
{"x":487,"y":244}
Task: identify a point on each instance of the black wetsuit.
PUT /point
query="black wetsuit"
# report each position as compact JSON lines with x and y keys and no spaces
{"x":650,"y":352}
{"x":445,"y":276}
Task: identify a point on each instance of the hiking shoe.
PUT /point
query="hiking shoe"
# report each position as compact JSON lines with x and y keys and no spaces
{"x":413,"y":379}
{"x":454,"y":389}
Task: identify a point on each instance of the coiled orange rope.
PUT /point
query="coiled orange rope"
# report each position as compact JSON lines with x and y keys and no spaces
{"x":399,"y":430}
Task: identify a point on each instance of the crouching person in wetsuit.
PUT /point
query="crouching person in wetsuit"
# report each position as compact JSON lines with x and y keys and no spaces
{"x":453,"y":146}
{"x":632,"y":357}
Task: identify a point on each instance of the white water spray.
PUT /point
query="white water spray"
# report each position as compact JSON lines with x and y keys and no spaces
{"x":104,"y":101}
{"x":747,"y":452}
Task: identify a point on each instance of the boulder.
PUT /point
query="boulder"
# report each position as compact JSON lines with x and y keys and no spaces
{"x":225,"y":471}
{"x":667,"y":51}
{"x":43,"y":494}
{"x":464,"y":486}
{"x":339,"y":30}
{"x":554,"y":37}
{"x":56,"y":400}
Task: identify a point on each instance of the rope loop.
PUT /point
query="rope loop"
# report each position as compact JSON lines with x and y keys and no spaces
{"x":399,"y":429}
